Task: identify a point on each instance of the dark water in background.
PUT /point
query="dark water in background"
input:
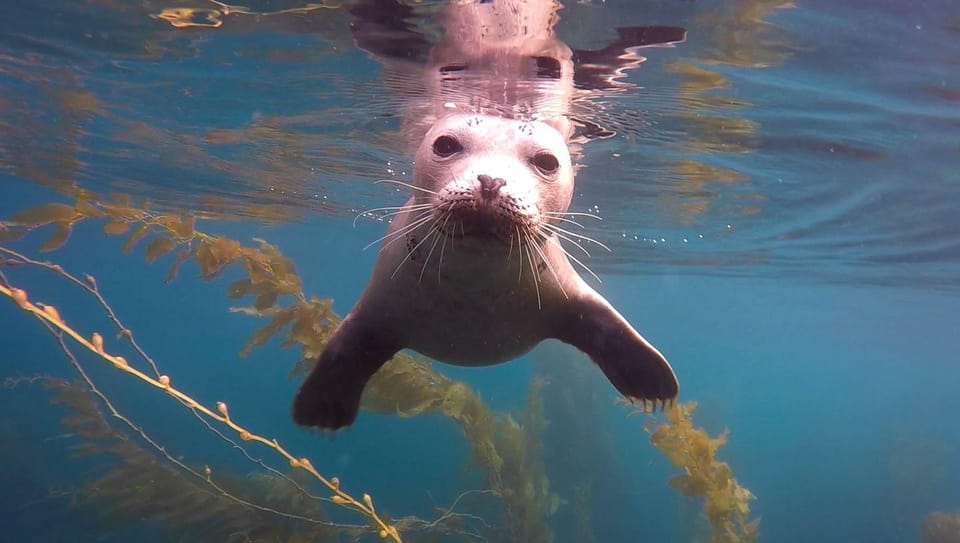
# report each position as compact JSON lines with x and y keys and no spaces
{"x":781,"y":200}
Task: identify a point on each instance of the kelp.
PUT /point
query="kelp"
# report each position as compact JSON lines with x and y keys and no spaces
{"x":527,"y":493}
{"x":51,"y":318}
{"x":587,"y":471}
{"x":405,"y":386}
{"x":508,"y":452}
{"x":213,"y":15}
{"x":140,"y":486}
{"x":726,"y":502}
{"x":739,"y":34}
{"x":941,"y":527}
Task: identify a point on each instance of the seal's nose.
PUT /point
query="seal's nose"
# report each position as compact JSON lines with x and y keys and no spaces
{"x":490,"y":186}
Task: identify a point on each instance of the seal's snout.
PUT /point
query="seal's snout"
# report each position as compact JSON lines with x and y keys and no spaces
{"x":490,"y":186}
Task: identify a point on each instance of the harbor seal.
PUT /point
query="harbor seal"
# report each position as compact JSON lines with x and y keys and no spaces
{"x":471,"y":271}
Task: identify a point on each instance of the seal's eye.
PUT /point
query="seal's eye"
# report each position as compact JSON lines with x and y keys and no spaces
{"x":547,"y":67}
{"x":546,"y":163}
{"x":445,"y":146}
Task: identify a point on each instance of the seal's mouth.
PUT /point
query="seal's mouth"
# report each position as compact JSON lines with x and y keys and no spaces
{"x":486,"y":207}
{"x":483,"y":220}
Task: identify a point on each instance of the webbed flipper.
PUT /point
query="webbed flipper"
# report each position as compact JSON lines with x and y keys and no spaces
{"x":633,"y":365}
{"x":384,"y":28}
{"x":600,"y":69}
{"x":330,"y":396}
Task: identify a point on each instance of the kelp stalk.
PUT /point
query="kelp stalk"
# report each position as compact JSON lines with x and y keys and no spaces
{"x":51,"y":315}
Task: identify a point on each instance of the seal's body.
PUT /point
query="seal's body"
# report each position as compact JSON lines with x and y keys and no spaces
{"x":471,"y":271}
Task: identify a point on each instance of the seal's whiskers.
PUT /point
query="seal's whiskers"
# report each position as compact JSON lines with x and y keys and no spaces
{"x":533,"y":267}
{"x":559,"y":230}
{"x":577,"y":260}
{"x":402,"y":184}
{"x":443,"y":246}
{"x":423,"y":217}
{"x":543,"y":257}
{"x":573,"y":222}
{"x":519,"y":253}
{"x":571,"y":214}
{"x":395,"y":210}
{"x":567,"y":238}
{"x":433,"y":229}
{"x":437,"y":234}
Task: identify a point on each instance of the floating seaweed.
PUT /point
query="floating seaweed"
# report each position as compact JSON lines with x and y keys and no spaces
{"x":941,"y":527}
{"x":726,"y":502}
{"x":54,"y":322}
{"x":587,"y":472}
{"x":140,"y":485}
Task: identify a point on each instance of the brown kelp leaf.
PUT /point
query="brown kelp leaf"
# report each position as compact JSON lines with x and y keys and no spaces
{"x":268,"y":264}
{"x":87,"y":209}
{"x":213,"y":255}
{"x":265,"y":300}
{"x":175,"y":267}
{"x":116,"y":227}
{"x":136,"y":236}
{"x":45,"y":214}
{"x":180,"y":227}
{"x":281,"y":265}
{"x":288,"y":283}
{"x":160,"y":246}
{"x":721,"y":475}
{"x":277,"y":323}
{"x":752,"y":530}
{"x":56,"y":240}
{"x":689,"y":485}
{"x":239,"y":288}
{"x":726,"y":503}
{"x":307,"y":330}
{"x":258,"y":266}
{"x":184,"y":228}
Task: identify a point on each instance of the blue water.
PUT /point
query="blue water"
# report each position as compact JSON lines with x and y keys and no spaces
{"x":780,"y":200}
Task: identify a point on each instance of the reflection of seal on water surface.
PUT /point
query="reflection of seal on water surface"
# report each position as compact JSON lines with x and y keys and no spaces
{"x":471,"y":271}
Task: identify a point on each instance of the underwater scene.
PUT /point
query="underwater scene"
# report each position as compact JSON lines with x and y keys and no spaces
{"x":480,"y":271}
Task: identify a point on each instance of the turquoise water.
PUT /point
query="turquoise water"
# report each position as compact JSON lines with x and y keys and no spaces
{"x":780,"y":199}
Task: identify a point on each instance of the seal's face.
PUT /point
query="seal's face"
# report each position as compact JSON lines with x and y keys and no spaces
{"x":492,"y":177}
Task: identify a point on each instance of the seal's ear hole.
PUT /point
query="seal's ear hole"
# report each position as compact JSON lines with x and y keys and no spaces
{"x":546,"y":163}
{"x":445,"y":146}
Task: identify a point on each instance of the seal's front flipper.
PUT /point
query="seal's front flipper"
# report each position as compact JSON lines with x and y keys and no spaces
{"x":600,"y":69}
{"x":632,"y":365}
{"x":387,"y":29}
{"x":330,"y":396}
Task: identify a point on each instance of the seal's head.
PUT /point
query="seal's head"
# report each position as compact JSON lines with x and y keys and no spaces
{"x":490,"y":176}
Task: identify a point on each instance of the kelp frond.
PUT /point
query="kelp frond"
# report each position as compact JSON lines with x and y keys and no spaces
{"x":726,"y":502}
{"x":51,"y":317}
{"x":508,"y":452}
{"x":941,"y":528}
{"x":141,"y":485}
{"x":212,"y":15}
